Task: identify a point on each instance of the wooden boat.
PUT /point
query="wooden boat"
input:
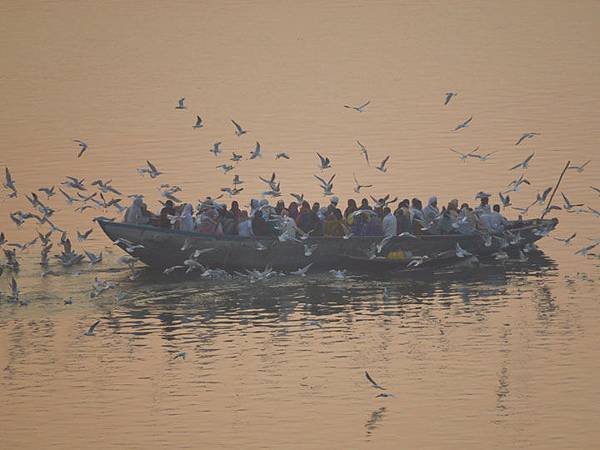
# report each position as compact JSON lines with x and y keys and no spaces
{"x":166,"y":248}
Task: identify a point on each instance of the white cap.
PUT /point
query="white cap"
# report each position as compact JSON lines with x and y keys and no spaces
{"x":335,"y":200}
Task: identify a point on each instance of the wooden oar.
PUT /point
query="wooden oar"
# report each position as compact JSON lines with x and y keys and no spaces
{"x":555,"y":188}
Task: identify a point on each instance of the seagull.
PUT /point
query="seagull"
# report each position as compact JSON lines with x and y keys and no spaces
{"x":231,"y":192}
{"x":75,"y":183}
{"x":94,"y":259}
{"x":327,"y":186}
{"x":180,"y":104}
{"x":9,"y":183}
{"x":256,"y":152}
{"x":505,"y":200}
{"x":299,"y":197}
{"x":198,"y":123}
{"x":381,"y":167}
{"x":541,"y":199}
{"x":236,"y":180}
{"x":583,"y":251}
{"x":324,"y":163}
{"x":364,"y":151}
{"x":359,"y":108}
{"x":460,"y":252}
{"x":302,"y":271}
{"x":283,"y":155}
{"x":359,"y":186}
{"x":153,"y":172}
{"x":271,"y":182}
{"x":105,"y":187}
{"x":580,"y":168}
{"x":464,"y":156}
{"x":238,"y":129}
{"x":465,"y":124}
{"x":83,"y":236}
{"x":524,"y":164}
{"x":130,"y":247}
{"x":526,"y":136}
{"x":235,"y":157}
{"x":517,"y":183}
{"x":225,"y":167}
{"x":416,"y":261}
{"x":82,"y":145}
{"x":181,"y":355}
{"x":449,"y":96}
{"x":568,"y":205}
{"x":70,"y":199}
{"x":90,"y":331}
{"x":373,"y":382}
{"x":525,"y":210}
{"x":68,"y":301}
{"x":48,"y":191}
{"x":566,"y":241}
{"x":482,"y":157}
{"x":215,"y":150}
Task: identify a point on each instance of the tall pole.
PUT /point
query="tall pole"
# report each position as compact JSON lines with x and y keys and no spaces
{"x":556,"y":188}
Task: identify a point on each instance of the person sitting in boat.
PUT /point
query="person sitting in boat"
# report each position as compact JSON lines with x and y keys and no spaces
{"x":467,"y":222}
{"x":207,"y":220}
{"x":165,"y":212}
{"x":350,"y":208}
{"x":186,"y":219}
{"x":431,"y":211}
{"x":416,"y":215}
{"x":373,"y":226}
{"x":317,"y":229}
{"x":260,"y":227}
{"x":364,"y":204}
{"x":484,"y":205}
{"x":389,"y":223}
{"x":135,"y":214}
{"x":293,"y":210}
{"x":403,"y":219}
{"x":494,"y":221}
{"x":245,"y":225}
{"x":334,"y":225}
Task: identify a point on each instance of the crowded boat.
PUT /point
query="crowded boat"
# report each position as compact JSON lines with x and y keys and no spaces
{"x":375,"y":218}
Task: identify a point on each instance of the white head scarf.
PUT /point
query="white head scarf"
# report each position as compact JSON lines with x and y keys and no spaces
{"x":187,"y":218}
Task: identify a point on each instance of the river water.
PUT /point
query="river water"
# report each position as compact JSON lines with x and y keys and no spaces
{"x":501,"y":357}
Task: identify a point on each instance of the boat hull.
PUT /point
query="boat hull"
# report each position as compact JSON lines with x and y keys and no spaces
{"x":163,"y":248}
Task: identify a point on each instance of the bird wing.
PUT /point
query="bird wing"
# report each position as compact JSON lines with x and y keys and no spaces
{"x":236,"y":125}
{"x":362,"y":106}
{"x":383,"y":163}
{"x":372,"y":381}
{"x":521,"y":139}
{"x":546,"y":192}
{"x":152,"y":166}
{"x":323,"y":182}
{"x":93,"y":327}
{"x":456,"y":151}
{"x":529,"y":158}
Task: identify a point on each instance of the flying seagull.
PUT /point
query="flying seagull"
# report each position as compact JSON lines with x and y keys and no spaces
{"x":566,"y":241}
{"x":256,"y":153}
{"x":526,"y":136}
{"x":215,"y":150}
{"x":82,"y":146}
{"x":381,"y":167}
{"x":198,"y":123}
{"x":359,"y":186}
{"x":464,"y":156}
{"x":238,"y":128}
{"x":363,"y":150}
{"x":465,"y":124}
{"x":324,"y":163}
{"x":90,"y":331}
{"x":180,"y":104}
{"x":449,"y":96}
{"x":359,"y":108}
{"x":524,"y":164}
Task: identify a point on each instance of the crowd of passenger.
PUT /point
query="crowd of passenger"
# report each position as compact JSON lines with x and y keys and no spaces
{"x":262,"y":219}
